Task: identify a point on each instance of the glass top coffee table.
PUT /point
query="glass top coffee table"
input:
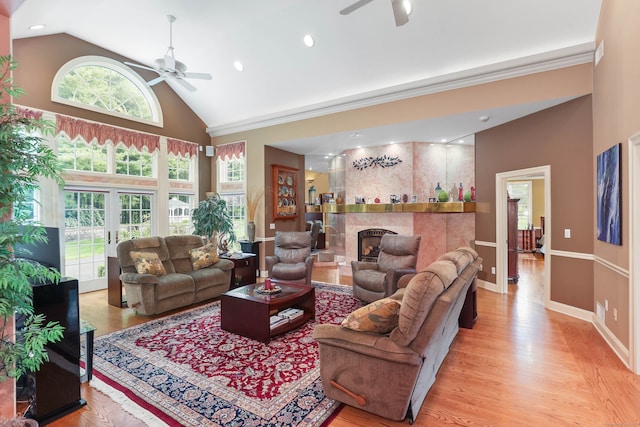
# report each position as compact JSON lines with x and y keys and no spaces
{"x":245,"y":311}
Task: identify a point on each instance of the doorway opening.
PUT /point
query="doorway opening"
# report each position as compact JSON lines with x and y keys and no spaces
{"x":541,"y":175}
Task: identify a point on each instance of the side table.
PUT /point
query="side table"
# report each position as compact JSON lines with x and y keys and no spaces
{"x":244,"y":269}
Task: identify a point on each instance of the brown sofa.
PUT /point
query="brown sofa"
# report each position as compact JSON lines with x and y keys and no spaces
{"x":181,"y":285}
{"x":390,"y":374}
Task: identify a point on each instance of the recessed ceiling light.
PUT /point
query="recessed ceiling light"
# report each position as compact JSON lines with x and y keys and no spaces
{"x":359,"y":146}
{"x":392,"y":142}
{"x":461,"y":141}
{"x":37,"y":27}
{"x":308,"y":40}
{"x":443,"y":140}
{"x":238,"y":65}
{"x":407,"y":6}
{"x":330,"y":154}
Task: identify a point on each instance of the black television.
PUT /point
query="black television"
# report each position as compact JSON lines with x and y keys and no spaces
{"x":46,"y":253}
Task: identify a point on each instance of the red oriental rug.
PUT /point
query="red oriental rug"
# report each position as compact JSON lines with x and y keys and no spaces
{"x":186,"y":371}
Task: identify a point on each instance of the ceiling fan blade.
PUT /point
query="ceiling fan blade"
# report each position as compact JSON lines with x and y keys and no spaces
{"x":185,"y":84}
{"x":357,"y":5}
{"x":140,"y":66}
{"x":156,"y":80}
{"x":202,"y":76}
{"x":169,"y":62}
{"x":399,"y":12}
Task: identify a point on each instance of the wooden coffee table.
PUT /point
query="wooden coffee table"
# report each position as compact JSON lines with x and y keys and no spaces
{"x":246,"y":312}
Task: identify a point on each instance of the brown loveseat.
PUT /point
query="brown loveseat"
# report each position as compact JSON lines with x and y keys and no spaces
{"x":389,"y":374}
{"x":180,"y":285}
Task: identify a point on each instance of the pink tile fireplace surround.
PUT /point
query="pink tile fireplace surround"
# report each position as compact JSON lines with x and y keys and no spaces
{"x":423,"y":166}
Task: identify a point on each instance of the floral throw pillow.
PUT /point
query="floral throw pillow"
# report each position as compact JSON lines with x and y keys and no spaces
{"x":148,"y":263}
{"x":380,"y":316}
{"x":204,"y":256}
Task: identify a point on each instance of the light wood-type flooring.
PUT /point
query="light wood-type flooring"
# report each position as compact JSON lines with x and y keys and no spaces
{"x":521,"y":365}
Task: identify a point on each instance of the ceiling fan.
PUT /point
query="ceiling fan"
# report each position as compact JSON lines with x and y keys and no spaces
{"x":401,"y":10}
{"x":169,"y":68}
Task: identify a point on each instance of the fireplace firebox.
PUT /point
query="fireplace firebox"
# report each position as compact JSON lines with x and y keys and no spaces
{"x":369,"y":243}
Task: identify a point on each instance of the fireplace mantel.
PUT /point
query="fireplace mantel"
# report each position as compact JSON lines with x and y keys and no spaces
{"x":441,"y":207}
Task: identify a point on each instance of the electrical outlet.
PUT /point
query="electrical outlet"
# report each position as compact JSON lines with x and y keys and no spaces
{"x":567,"y":233}
{"x":615,"y":314}
{"x":480,"y":267}
{"x":606,"y":305}
{"x":272,"y":226}
{"x":493,"y":270}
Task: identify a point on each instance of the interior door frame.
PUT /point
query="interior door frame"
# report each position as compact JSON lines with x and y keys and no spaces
{"x":501,"y":225}
{"x":634,"y":253}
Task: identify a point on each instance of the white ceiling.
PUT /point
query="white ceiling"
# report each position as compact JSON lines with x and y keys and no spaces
{"x":356,"y":57}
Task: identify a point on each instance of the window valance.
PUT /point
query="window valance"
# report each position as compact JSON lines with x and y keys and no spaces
{"x":182,"y":148}
{"x":90,"y":131}
{"x":28,"y":113}
{"x":230,"y":150}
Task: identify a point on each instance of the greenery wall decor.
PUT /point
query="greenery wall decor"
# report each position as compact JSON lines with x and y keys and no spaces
{"x":382,"y":161}
{"x":24,"y":159}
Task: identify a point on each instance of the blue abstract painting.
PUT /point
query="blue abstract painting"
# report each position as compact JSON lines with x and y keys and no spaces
{"x":609,"y":203}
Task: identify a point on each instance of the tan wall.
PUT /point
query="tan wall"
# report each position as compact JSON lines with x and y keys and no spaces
{"x":320,"y":182}
{"x":537,"y":206}
{"x":40,"y":58}
{"x":559,"y":137}
{"x":615,"y":106}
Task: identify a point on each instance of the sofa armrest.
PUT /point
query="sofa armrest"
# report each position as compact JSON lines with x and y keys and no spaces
{"x":405,"y":279}
{"x":138,"y":278}
{"x":363,"y":265}
{"x":270,"y":261}
{"x":223,"y":264}
{"x":365,"y":343}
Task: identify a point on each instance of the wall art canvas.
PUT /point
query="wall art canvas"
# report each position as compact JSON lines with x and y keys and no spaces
{"x":609,"y":207}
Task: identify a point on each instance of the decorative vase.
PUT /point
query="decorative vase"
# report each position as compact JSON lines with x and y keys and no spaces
{"x":251,"y":231}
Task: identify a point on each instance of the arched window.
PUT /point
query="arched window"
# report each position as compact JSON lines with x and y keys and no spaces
{"x":104,"y":85}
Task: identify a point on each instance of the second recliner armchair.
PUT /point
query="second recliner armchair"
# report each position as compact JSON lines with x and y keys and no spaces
{"x":292,"y":260}
{"x":375,"y":280}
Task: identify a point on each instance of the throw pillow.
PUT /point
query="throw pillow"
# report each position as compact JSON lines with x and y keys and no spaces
{"x":380,"y":316}
{"x":204,"y":256}
{"x":148,"y":263}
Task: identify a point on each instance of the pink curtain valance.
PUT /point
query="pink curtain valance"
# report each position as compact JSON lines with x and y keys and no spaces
{"x":230,"y":150}
{"x":90,"y":131}
{"x":182,"y":148}
{"x":28,"y":113}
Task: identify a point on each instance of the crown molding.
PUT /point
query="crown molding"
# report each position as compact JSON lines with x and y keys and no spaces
{"x":547,"y":61}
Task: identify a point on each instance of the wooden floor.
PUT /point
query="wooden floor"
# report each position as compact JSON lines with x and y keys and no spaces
{"x":520,"y":366}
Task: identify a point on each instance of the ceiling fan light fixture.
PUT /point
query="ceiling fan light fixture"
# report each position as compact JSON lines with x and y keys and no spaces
{"x":238,"y":66}
{"x":408,"y":7}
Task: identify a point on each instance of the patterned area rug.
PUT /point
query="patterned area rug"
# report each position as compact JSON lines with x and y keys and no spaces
{"x":187,"y":371}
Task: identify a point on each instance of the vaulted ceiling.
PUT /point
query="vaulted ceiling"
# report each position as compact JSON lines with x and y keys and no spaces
{"x":357,"y":59}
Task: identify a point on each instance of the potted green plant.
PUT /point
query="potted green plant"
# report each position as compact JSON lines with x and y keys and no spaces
{"x":212,"y":220}
{"x":24,"y":159}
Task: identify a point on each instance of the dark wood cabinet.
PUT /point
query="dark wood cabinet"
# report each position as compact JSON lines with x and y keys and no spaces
{"x":115,"y":296}
{"x":512,"y":240}
{"x":244,"y":272}
{"x":57,"y":383}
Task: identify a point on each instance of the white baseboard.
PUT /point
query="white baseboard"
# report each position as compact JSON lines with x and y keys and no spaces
{"x":568,"y":310}
{"x":488,"y":286}
{"x":618,"y":348}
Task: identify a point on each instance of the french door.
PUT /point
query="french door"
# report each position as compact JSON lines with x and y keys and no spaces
{"x":95,"y":221}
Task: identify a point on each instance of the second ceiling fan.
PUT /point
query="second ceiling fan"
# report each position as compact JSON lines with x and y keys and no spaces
{"x":401,"y":10}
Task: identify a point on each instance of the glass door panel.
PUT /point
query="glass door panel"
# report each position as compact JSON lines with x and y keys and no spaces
{"x":85,"y":230}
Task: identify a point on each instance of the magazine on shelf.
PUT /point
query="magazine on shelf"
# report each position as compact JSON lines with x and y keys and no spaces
{"x":291,"y":313}
{"x":275,"y":321}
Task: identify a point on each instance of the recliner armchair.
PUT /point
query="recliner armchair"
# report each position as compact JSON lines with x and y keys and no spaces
{"x":375,"y":280}
{"x":292,"y":260}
